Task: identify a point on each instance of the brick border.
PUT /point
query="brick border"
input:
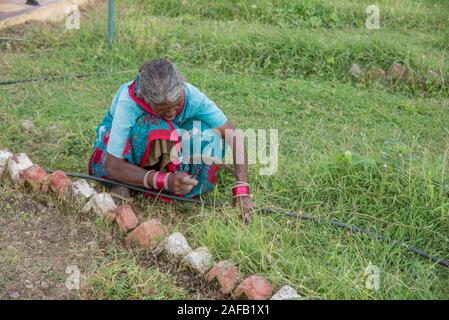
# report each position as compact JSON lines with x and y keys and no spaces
{"x":151,"y":234}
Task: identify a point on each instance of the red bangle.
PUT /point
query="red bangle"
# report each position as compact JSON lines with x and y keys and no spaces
{"x":166,"y":180}
{"x":240,"y":190}
{"x":153,"y":183}
{"x":160,"y":180}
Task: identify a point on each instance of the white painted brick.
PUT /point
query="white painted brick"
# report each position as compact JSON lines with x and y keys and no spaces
{"x":4,"y":155}
{"x":17,"y":164}
{"x":102,"y":204}
{"x":80,"y":191}
{"x":285,"y":293}
{"x":200,"y":259}
{"x":175,"y":245}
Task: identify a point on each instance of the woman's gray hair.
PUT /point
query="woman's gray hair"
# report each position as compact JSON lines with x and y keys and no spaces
{"x":159,"y":82}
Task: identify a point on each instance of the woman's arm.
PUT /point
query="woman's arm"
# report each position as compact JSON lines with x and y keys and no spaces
{"x":120,"y":170}
{"x":241,"y":168}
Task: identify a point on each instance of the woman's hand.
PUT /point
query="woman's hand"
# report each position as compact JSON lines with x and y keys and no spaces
{"x":247,"y":205}
{"x":180,"y":183}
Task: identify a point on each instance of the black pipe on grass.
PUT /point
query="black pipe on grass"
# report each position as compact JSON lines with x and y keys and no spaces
{"x":133,"y":187}
{"x":370,"y":233}
{"x":57,"y":77}
{"x":301,"y":216}
{"x":35,"y":79}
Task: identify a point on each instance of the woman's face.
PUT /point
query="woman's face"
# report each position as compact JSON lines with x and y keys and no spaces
{"x":168,"y":111}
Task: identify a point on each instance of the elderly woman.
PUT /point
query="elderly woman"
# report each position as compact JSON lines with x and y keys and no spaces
{"x":141,"y":140}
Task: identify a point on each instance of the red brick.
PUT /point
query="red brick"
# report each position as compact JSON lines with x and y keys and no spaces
{"x":34,"y":177}
{"x":226,"y":274}
{"x":254,"y":288}
{"x":149,"y":234}
{"x":109,"y":217}
{"x":59,"y":182}
{"x":126,"y":218}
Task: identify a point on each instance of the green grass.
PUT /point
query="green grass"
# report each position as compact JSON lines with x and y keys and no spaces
{"x":373,"y":154}
{"x":427,"y":15}
{"x":122,"y":278}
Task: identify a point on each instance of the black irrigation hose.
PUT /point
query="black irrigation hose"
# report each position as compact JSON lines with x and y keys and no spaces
{"x":370,"y":233}
{"x":133,"y":187}
{"x":56,"y":77}
{"x":301,"y":216}
{"x":34,"y":79}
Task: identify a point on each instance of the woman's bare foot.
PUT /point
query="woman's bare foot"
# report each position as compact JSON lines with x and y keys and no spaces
{"x":121,"y":195}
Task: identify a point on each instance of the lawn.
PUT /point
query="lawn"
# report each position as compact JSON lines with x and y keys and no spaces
{"x":371,"y":153}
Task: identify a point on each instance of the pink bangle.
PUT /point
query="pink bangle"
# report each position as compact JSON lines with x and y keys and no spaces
{"x":160,"y":180}
{"x":154,"y":180}
{"x":241,"y":196}
{"x":240,"y":190}
{"x":166,"y":180}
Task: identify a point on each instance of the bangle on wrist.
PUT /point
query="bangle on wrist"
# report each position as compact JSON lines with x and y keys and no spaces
{"x":154,"y":182}
{"x":166,"y":180}
{"x":241,"y":196}
{"x":240,"y":190}
{"x":160,"y":180}
{"x":145,"y":179}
